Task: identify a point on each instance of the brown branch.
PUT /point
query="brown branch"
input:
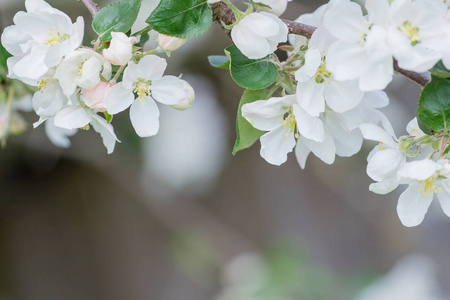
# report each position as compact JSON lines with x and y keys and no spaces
{"x":221,"y":12}
{"x":91,"y":6}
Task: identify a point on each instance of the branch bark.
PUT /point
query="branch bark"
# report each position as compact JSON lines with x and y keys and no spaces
{"x":91,"y":6}
{"x":222,"y":13}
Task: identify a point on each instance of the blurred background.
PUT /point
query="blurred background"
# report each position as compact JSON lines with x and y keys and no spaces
{"x":176,"y":216}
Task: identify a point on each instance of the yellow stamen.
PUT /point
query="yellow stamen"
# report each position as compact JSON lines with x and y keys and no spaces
{"x":56,"y":37}
{"x":142,"y":88}
{"x":322,"y":72}
{"x":290,"y":121}
{"x":411,"y":32}
{"x":430,"y":186}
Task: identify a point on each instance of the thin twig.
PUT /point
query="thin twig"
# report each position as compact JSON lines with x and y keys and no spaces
{"x":221,"y":12}
{"x":91,"y":6}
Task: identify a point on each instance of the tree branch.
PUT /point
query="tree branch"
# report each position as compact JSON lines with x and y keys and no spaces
{"x":222,"y":13}
{"x":91,"y":6}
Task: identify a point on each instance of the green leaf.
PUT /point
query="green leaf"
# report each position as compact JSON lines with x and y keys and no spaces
{"x":219,"y":61}
{"x":108,"y":117}
{"x":252,"y":74}
{"x":440,"y":70}
{"x":117,"y":17}
{"x":181,"y":18}
{"x":434,"y":104}
{"x":246,"y":134}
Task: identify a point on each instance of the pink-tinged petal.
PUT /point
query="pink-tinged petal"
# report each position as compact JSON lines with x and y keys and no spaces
{"x":106,"y":131}
{"x":144,"y":117}
{"x":384,"y":186}
{"x":72,"y":117}
{"x":419,"y":169}
{"x":301,"y":153}
{"x":169,"y":90}
{"x":275,"y":145}
{"x":310,"y":127}
{"x":118,"y":98}
{"x":324,"y":150}
{"x":412,"y":205}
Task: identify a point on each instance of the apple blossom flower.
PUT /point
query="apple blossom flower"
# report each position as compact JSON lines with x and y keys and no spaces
{"x":361,"y":51}
{"x":147,"y":80}
{"x":285,"y":121}
{"x":316,"y":85}
{"x":120,"y":49}
{"x":81,"y":68}
{"x":415,"y":33}
{"x":39,"y":39}
{"x":258,"y":34}
{"x":48,"y":101}
{"x":425,"y":178}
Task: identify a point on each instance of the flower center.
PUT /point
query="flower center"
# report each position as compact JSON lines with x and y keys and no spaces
{"x":289,"y":121}
{"x":411,"y":32}
{"x":429,"y":186}
{"x":322,"y":72}
{"x":142,"y":88}
{"x":56,"y":37}
{"x":42,"y":84}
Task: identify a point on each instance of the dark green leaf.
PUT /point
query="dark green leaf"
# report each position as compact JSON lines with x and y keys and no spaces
{"x":252,"y":74}
{"x":219,"y":61}
{"x":439,"y":70}
{"x":143,"y":31}
{"x":181,"y":18}
{"x":434,"y":104}
{"x":246,"y":134}
{"x":117,"y":17}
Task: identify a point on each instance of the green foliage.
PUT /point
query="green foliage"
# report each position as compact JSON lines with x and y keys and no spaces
{"x":181,"y":18}
{"x":117,"y":17}
{"x":434,"y":104}
{"x":252,"y":74}
{"x":246,"y":134}
{"x":439,"y":70}
{"x":219,"y":61}
{"x":4,"y":55}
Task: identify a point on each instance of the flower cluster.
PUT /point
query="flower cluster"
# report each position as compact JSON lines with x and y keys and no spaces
{"x":332,"y":87}
{"x":76,"y":85}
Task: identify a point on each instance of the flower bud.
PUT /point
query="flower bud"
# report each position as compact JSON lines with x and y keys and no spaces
{"x":95,"y":96}
{"x":185,"y":104}
{"x":120,"y":49}
{"x":276,"y":7}
{"x":170,"y":43}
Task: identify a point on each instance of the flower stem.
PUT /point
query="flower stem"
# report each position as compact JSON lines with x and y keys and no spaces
{"x":91,"y":6}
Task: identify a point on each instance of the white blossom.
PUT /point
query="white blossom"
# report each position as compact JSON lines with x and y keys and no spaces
{"x":147,"y":80}
{"x":39,"y":39}
{"x":120,"y":49}
{"x":258,"y":34}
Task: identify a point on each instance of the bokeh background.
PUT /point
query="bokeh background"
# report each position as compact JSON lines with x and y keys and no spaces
{"x":176,"y":216}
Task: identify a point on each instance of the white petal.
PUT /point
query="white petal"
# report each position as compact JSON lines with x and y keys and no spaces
{"x":324,"y":150}
{"x":412,"y":205}
{"x":444,"y":196}
{"x":118,"y":98}
{"x":144,"y":117}
{"x":106,"y":131}
{"x":57,"y":135}
{"x":169,"y":90}
{"x":384,"y":164}
{"x":309,"y":69}
{"x":384,"y":186}
{"x":151,"y":67}
{"x":342,"y":95}
{"x":72,"y":117}
{"x":376,"y":133}
{"x":419,"y":169}
{"x":310,"y":96}
{"x":346,"y":59}
{"x":310,"y":127}
{"x":301,"y":153}
{"x":275,"y":145}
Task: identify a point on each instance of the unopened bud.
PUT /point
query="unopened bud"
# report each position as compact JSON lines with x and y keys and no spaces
{"x":170,"y":43}
{"x":185,"y":104}
{"x":120,"y":49}
{"x":95,"y":96}
{"x":276,"y":7}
